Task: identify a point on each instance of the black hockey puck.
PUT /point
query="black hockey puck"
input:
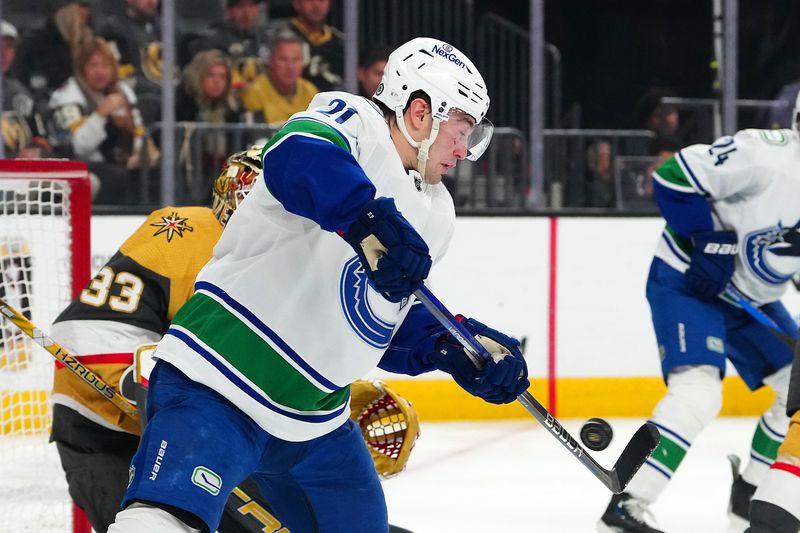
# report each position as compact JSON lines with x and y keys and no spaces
{"x":596,"y":434}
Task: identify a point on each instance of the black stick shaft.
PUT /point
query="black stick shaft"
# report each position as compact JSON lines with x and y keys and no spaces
{"x":634,"y":455}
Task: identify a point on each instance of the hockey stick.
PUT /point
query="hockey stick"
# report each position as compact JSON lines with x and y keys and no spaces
{"x":758,"y":315}
{"x":633,"y":456}
{"x":40,"y":338}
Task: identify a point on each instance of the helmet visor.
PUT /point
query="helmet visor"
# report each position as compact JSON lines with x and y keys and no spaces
{"x":472,"y":138}
{"x":479,"y":139}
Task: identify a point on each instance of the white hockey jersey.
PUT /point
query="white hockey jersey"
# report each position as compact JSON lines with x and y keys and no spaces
{"x":283,"y":319}
{"x":752,"y":184}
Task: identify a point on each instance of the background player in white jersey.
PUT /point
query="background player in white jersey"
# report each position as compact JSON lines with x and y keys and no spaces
{"x":253,"y":375}
{"x":732,"y":223}
{"x":775,"y":507}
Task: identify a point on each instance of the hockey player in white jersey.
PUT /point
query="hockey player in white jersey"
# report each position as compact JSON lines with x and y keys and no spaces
{"x":775,"y":507}
{"x":253,"y":375}
{"x":733,"y":223}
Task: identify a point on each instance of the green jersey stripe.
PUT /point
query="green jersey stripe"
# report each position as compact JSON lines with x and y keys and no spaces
{"x":230,"y":339}
{"x":680,"y":245}
{"x":671,"y":176}
{"x":307,"y":126}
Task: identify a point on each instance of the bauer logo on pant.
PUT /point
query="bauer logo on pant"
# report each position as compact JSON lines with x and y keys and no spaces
{"x":207,"y":480}
{"x":162,"y":451}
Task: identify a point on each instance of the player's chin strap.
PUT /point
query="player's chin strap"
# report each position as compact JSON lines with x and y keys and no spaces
{"x":421,"y":146}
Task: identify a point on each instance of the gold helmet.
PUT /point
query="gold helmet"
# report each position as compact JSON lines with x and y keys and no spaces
{"x":388,"y":424}
{"x":234,"y":182}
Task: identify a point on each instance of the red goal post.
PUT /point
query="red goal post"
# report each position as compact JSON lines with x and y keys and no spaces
{"x":45,"y":260}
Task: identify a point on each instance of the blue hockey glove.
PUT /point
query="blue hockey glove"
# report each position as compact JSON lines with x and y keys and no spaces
{"x":394,"y":255}
{"x":713,"y":262}
{"x":501,"y":379}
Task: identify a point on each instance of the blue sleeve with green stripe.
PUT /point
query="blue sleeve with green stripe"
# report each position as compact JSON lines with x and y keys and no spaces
{"x":684,"y":209}
{"x":413,"y":344}
{"x":309,"y":169}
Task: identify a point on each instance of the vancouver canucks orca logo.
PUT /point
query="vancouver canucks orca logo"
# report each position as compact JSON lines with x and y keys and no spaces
{"x":353,"y":295}
{"x":780,"y":241}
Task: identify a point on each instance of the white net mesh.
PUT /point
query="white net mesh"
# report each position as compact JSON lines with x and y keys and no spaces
{"x":35,"y":278}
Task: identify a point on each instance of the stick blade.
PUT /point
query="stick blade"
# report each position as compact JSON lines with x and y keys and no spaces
{"x":639,"y":448}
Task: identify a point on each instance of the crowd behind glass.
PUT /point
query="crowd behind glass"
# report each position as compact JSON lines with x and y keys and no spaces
{"x":84,"y":82}
{"x":95,"y":95}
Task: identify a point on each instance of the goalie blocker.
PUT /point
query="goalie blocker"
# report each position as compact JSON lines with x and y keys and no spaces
{"x":388,"y":424}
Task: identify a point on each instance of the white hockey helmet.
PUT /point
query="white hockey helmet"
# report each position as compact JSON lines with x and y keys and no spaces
{"x":449,"y":79}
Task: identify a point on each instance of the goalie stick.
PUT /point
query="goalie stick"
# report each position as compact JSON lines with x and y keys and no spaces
{"x":633,"y":456}
{"x":75,"y":366}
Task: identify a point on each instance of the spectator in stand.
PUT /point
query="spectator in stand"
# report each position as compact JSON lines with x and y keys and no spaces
{"x":323,"y":51}
{"x":693,"y":126}
{"x":656,"y":116}
{"x":242,"y":36}
{"x":205,"y":95}
{"x":98,"y":116}
{"x":44,"y":59}
{"x":370,"y":69}
{"x":136,"y":39}
{"x":21,"y":136}
{"x":662,"y":148}
{"x":599,"y":175}
{"x":282,"y":91}
{"x":16,"y":96}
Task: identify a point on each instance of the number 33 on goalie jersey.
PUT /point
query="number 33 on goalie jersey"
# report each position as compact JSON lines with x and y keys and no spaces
{"x":130,"y":302}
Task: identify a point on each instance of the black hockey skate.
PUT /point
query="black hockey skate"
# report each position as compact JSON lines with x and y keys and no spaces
{"x":769,"y":518}
{"x":741,"y":494}
{"x":625,"y":514}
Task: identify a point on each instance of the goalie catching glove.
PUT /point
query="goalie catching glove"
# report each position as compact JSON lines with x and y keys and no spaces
{"x":393,"y":254}
{"x":501,"y":379}
{"x":388,"y":424}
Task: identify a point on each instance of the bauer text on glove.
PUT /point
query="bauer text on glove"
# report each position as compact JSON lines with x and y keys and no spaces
{"x":713,"y":262}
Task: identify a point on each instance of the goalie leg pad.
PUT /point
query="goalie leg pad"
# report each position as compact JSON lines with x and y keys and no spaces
{"x":789,"y":451}
{"x":97,"y":479}
{"x":793,"y":401}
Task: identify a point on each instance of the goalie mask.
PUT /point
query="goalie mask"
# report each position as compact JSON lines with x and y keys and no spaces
{"x":388,"y":424}
{"x":451,"y":81}
{"x":234,"y":182}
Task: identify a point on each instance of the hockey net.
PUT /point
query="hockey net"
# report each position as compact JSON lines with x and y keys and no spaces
{"x":44,"y":261}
